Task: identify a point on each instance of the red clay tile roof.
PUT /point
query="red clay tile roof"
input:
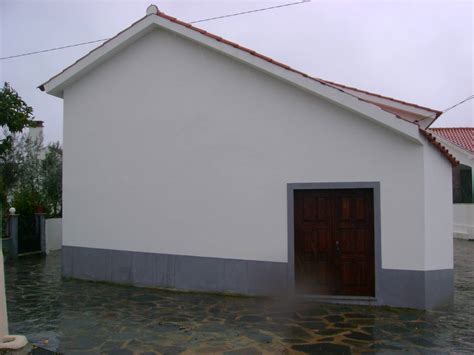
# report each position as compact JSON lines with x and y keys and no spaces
{"x":463,"y":137}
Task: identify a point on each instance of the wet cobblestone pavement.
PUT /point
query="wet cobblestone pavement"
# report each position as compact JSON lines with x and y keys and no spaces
{"x":80,"y":317}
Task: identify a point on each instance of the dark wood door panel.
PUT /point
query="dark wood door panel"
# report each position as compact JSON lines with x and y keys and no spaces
{"x":355,"y":279}
{"x":334,"y":241}
{"x":354,"y":232}
{"x":314,"y":242}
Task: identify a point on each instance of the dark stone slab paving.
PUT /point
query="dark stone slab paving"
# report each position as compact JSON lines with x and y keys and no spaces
{"x":323,"y":348}
{"x":80,"y":317}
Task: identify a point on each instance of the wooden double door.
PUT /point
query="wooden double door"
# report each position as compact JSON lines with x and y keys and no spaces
{"x":334,"y":242}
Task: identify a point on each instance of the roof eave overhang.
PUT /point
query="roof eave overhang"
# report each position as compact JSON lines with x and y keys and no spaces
{"x":56,"y":85}
{"x":436,"y":142}
{"x":424,"y":116}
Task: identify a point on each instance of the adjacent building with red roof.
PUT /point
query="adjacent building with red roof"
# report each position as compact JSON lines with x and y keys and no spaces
{"x":463,"y":137}
{"x":460,"y":141}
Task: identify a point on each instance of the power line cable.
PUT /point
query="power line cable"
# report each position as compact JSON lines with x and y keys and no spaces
{"x":418,"y":120}
{"x":447,"y":109}
{"x":251,"y":11}
{"x":212,"y":19}
{"x":459,"y":103}
{"x":195,"y":21}
{"x":53,"y":49}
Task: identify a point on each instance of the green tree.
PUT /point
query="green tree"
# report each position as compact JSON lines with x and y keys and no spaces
{"x":38,"y":175}
{"x":9,"y":166}
{"x":52,"y":174}
{"x":15,"y":115}
{"x":28,"y":188}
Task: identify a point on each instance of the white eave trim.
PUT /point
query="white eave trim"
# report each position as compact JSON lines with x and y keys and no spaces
{"x":56,"y":85}
{"x":391,"y":103}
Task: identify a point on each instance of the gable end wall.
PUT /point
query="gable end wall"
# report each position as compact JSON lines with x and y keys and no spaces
{"x":172,"y":148}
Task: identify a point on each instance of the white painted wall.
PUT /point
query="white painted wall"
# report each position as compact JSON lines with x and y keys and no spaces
{"x":464,"y":157}
{"x":54,"y":234}
{"x":438,"y":210}
{"x":463,"y":217}
{"x":463,"y":214}
{"x":36,"y":134}
{"x":189,"y":152}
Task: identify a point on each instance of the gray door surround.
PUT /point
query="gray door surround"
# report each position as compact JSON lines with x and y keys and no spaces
{"x":375,"y":186}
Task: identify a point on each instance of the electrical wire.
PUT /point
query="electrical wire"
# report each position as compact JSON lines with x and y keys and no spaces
{"x":459,"y":103}
{"x":53,"y":49}
{"x":447,"y":109}
{"x":251,"y":11}
{"x":212,"y":19}
{"x":195,"y":21}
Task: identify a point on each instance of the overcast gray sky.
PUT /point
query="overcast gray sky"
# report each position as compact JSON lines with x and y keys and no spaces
{"x":417,"y":51}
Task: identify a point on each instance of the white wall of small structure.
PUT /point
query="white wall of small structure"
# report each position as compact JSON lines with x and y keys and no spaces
{"x":438,"y":196}
{"x":170,"y":147}
{"x":463,"y":213}
{"x":54,"y":234}
{"x":464,"y":221}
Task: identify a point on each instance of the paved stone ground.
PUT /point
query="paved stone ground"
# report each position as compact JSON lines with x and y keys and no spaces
{"x":80,"y":317}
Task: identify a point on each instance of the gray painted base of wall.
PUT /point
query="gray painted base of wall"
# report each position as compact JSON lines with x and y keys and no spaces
{"x":176,"y":271}
{"x":399,"y":288}
{"x":416,"y":289}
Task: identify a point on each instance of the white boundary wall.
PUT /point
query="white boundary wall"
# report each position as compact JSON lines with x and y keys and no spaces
{"x":463,"y":216}
{"x":54,"y":234}
{"x":463,"y":213}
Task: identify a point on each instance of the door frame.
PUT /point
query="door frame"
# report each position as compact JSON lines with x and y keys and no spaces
{"x":292,"y":187}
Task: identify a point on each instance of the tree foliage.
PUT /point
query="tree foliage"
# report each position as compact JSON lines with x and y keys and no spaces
{"x":15,"y":115}
{"x":30,"y":174}
{"x":28,"y":156}
{"x":52,"y":174}
{"x":28,"y":185}
{"x":34,"y":175}
{"x":9,"y":168}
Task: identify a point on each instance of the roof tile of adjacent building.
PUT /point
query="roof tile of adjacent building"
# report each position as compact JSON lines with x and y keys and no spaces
{"x":463,"y":137}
